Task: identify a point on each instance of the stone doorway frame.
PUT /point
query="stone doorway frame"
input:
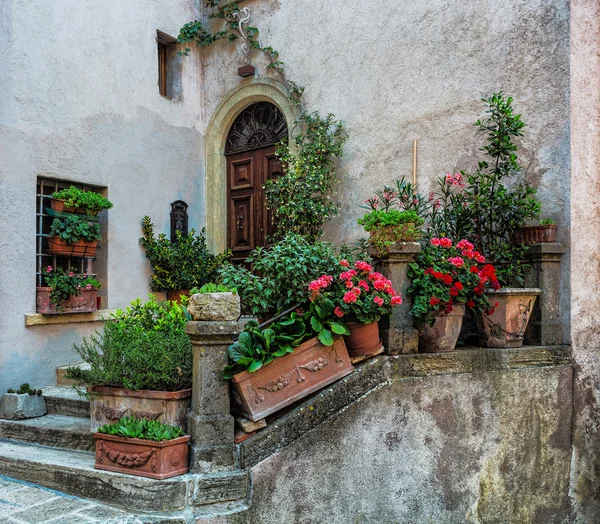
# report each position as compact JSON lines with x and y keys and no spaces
{"x":234,"y":102}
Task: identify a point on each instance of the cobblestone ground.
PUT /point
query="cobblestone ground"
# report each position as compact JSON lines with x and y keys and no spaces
{"x":24,"y":503}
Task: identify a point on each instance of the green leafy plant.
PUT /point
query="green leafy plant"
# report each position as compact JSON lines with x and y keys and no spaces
{"x":66,"y":283}
{"x":279,"y":274}
{"x":257,"y":347}
{"x":324,"y":322}
{"x":90,"y":201}
{"x":444,"y":275}
{"x":146,"y":429}
{"x":213,"y":288}
{"x":141,"y":347}
{"x":183,"y":264}
{"x":479,"y":206}
{"x":394,"y":217}
{"x":301,"y":198}
{"x":26,"y":389}
{"x":74,"y":228}
{"x":547,"y":222}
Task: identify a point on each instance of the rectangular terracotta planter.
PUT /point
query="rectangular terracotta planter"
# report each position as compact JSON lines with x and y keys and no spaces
{"x":85,"y":302}
{"x":311,"y":367}
{"x":110,"y":404}
{"x":143,"y":458}
{"x":59,"y":247}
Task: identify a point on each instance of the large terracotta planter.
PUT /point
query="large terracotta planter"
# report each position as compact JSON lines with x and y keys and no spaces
{"x":535,"y":234}
{"x":363,"y":339}
{"x":59,"y":247}
{"x":108,"y":405}
{"x":505,"y":327}
{"x":59,"y":206}
{"x":85,"y":302}
{"x":175,"y":296}
{"x":143,"y":458}
{"x":443,"y":335}
{"x":310,"y":367}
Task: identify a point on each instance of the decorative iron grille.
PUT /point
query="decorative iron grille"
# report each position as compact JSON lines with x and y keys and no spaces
{"x":259,"y":125}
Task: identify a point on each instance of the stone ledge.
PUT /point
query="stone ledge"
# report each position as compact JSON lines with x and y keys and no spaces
{"x":37,"y":319}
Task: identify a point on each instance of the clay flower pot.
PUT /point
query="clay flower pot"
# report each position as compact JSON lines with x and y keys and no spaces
{"x":175,"y":296}
{"x":311,"y":367}
{"x":85,"y":302}
{"x":59,"y":247}
{"x":59,"y":206}
{"x":108,"y":405}
{"x":363,"y":339}
{"x":140,"y":457}
{"x":535,"y":234}
{"x":443,"y":335}
{"x":505,"y":327}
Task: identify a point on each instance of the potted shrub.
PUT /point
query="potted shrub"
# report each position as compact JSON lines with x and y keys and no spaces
{"x":544,"y":232}
{"x":140,"y":365}
{"x":360,"y":297}
{"x":73,"y":236}
{"x":394,"y":216}
{"x":142,"y":447}
{"x":181,"y":265}
{"x":284,"y":362}
{"x":213,"y":302}
{"x":74,"y":200}
{"x":66,"y":291}
{"x":479,"y":206}
{"x":22,"y":403}
{"x":444,"y":279}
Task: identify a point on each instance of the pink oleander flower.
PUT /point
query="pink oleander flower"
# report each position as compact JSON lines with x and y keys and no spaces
{"x":347,"y":275}
{"x":480,"y":259}
{"x":344,"y":263}
{"x":364,"y":285}
{"x":379,"y":285}
{"x":445,"y":242}
{"x":356,"y":291}
{"x":349,"y":284}
{"x":378,"y":301}
{"x":431,"y":196}
{"x":363,"y":266}
{"x":464,"y":244}
{"x":437,"y":204}
{"x":375,"y":276}
{"x":396,"y":300}
{"x":456,"y":261}
{"x":49,"y":269}
{"x":435,"y":241}
{"x":349,"y":297}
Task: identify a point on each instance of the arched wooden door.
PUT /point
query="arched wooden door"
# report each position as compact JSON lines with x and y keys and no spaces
{"x":251,"y":161}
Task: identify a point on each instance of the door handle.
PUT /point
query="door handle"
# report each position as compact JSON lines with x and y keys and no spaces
{"x":240,"y":222}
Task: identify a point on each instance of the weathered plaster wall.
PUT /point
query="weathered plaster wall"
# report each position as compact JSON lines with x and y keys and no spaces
{"x":396,"y":71}
{"x":585,"y":254}
{"x":80,"y":102}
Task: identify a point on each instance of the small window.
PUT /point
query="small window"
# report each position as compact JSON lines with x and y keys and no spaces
{"x":169,"y":66}
{"x":96,"y":266}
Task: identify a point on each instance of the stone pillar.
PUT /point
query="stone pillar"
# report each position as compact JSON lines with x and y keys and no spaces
{"x":210,"y":423}
{"x":398,"y":334}
{"x":544,"y":326}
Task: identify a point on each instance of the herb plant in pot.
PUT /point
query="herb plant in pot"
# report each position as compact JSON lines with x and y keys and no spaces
{"x":358,"y":296}
{"x":142,"y":447}
{"x":140,"y":365}
{"x":75,"y":200}
{"x":66,"y":291}
{"x":446,"y":278}
{"x":73,"y":236}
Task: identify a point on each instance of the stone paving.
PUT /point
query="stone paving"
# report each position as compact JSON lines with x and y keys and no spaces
{"x":24,"y":503}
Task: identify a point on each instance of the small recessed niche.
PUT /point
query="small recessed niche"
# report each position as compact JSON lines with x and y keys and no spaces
{"x":169,"y":66}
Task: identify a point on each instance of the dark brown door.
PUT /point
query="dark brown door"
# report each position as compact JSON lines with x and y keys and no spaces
{"x":249,"y":222}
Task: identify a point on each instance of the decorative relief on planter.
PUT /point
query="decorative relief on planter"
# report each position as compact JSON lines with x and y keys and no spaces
{"x":127,"y":460}
{"x":287,"y":379}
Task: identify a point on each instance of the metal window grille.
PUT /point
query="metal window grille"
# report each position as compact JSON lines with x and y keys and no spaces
{"x":45,"y":188}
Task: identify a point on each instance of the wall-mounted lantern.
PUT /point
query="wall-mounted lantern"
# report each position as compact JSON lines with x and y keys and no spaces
{"x":179,"y":219}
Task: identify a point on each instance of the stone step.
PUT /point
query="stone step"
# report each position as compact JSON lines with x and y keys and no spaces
{"x":62,"y":400}
{"x":61,"y":379}
{"x":57,"y":431}
{"x":73,"y":472}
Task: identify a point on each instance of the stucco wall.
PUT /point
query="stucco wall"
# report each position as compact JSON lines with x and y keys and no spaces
{"x":80,"y":102}
{"x":404,"y":70}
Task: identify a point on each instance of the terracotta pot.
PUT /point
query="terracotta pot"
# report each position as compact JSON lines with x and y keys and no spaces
{"x":140,"y":457}
{"x":363,"y":339}
{"x":85,"y":302}
{"x":535,"y":234}
{"x":59,"y":206}
{"x":443,"y":335}
{"x":505,"y":327}
{"x":175,"y":296}
{"x":59,"y":247}
{"x":399,"y":233}
{"x":311,"y":367}
{"x":110,"y":404}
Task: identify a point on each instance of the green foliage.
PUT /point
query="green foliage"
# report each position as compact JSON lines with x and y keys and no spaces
{"x":301,"y":198}
{"x":74,"y":228}
{"x":183,"y":264}
{"x":26,"y":389}
{"x":324,"y":322}
{"x":213,"y":288}
{"x":257,"y":347}
{"x":65,"y":283}
{"x":546,"y":222}
{"x":280,"y":274}
{"x":131,"y":427}
{"x":89,"y":200}
{"x":142,"y":347}
{"x":225,"y":26}
{"x":486,"y":211}
{"x":380,"y":218}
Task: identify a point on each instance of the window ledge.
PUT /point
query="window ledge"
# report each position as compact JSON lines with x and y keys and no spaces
{"x":68,"y":318}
